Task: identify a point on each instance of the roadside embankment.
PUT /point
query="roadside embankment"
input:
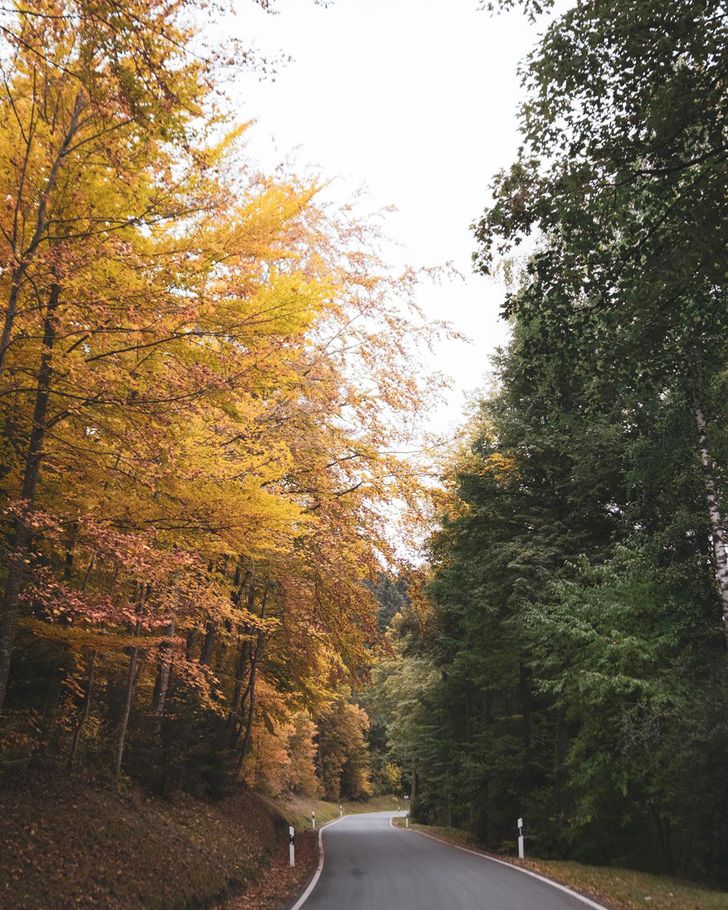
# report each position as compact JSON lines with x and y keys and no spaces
{"x":68,"y":843}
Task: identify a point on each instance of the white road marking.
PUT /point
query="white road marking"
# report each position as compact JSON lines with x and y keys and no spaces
{"x":317,"y":874}
{"x":501,"y":862}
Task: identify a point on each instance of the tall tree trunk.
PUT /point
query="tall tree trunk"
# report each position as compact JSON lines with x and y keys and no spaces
{"x":86,"y":705}
{"x":131,"y":676}
{"x":560,"y":775}
{"x":245,"y":744}
{"x":208,"y":646}
{"x":524,"y":694}
{"x":663,"y":835}
{"x":84,"y":712}
{"x":717,"y":531}
{"x":41,"y":222}
{"x":260,"y":642}
{"x":234,"y":720}
{"x":126,"y":710}
{"x":240,"y":691}
{"x":165,"y":665}
{"x":22,"y":534}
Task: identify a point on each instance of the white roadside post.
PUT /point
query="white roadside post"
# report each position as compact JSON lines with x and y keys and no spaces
{"x":521,"y":851}
{"x":313,"y":819}
{"x":406,"y":818}
{"x":291,"y":846}
{"x":341,"y":811}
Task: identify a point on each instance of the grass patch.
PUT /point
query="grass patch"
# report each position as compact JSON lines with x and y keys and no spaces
{"x":297,"y":809}
{"x":620,"y":889}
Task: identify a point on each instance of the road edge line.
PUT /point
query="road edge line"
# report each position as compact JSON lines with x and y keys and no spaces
{"x":319,"y":869}
{"x":502,"y":862}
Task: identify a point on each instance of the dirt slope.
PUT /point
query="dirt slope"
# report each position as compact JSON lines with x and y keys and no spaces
{"x":68,"y":844}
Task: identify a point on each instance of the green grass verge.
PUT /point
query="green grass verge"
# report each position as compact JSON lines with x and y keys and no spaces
{"x":297,"y":809}
{"x":620,"y":889}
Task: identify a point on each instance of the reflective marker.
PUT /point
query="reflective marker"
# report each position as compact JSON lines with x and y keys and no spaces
{"x":521,"y":851}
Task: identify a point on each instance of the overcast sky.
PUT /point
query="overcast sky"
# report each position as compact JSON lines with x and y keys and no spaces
{"x":416,"y":101}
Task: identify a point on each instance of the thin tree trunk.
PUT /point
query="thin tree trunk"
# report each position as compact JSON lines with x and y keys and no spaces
{"x":41,"y":222}
{"x":69,"y":560}
{"x":208,"y":646}
{"x":124,"y":723}
{"x":524,"y":693}
{"x":240,"y":692}
{"x":86,"y":706}
{"x":251,"y":685}
{"x":244,"y":745}
{"x":234,"y":717}
{"x":717,"y":531}
{"x":129,"y":689}
{"x":84,"y":712}
{"x":663,"y":835}
{"x":190,"y":644}
{"x":165,"y":665}
{"x":22,"y":537}
{"x":562,"y":747}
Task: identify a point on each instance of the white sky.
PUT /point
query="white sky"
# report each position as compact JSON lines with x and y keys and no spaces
{"x":416,"y":101}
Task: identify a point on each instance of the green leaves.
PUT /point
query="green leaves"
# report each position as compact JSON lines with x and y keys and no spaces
{"x":574,"y":593}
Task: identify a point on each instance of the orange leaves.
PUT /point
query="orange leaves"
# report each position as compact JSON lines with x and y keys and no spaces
{"x":232,"y":374}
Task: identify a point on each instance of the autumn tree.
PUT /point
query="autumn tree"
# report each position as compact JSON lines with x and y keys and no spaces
{"x":204,"y":386}
{"x":343,"y":753}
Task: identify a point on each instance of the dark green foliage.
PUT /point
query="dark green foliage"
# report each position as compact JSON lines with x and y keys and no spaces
{"x":582,"y":679}
{"x":391,"y":595}
{"x":582,"y":674}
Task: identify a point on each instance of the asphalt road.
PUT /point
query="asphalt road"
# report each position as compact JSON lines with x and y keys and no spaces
{"x":370,"y":865}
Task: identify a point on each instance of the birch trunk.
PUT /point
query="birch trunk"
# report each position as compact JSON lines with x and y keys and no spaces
{"x":22,"y":535}
{"x":717,"y":531}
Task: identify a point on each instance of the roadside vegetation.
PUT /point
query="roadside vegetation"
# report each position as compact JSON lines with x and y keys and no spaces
{"x":571,"y":668}
{"x":298,"y":810}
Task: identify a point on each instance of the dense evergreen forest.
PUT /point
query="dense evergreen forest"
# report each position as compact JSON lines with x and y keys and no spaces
{"x":206,"y":374}
{"x":573,"y":667}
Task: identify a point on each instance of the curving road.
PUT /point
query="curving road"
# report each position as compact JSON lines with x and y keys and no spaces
{"x":370,"y":865}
